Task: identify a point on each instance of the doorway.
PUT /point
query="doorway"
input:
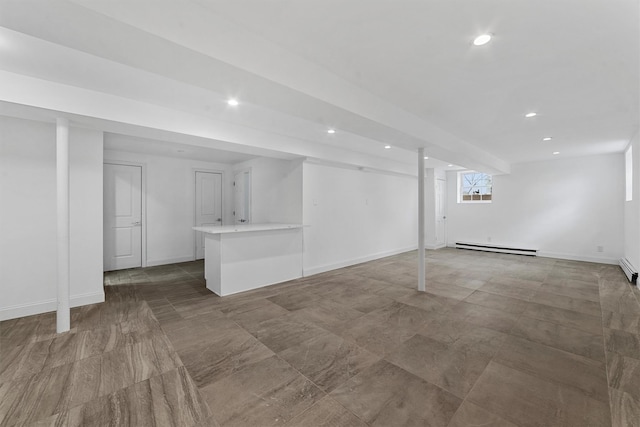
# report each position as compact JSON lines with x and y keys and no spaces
{"x":441,"y":213}
{"x":242,"y":197}
{"x":208,"y":209}
{"x":123,"y":214}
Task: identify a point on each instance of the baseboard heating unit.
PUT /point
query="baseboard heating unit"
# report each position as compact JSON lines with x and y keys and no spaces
{"x":631,"y":273}
{"x":496,"y":248}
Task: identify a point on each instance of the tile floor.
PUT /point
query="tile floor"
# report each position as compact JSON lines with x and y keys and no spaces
{"x":498,"y":340}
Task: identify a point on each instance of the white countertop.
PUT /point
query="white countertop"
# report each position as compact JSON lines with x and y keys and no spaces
{"x":243,"y":228}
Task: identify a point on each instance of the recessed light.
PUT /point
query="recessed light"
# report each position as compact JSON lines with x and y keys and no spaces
{"x":450,"y":166}
{"x":331,"y":131}
{"x":426,"y":157}
{"x":529,"y":115}
{"x":556,"y":152}
{"x":482,"y":39}
{"x":233,"y":102}
{"x":546,"y":138}
{"x":386,"y":147}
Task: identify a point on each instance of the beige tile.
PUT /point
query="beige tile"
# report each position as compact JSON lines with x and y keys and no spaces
{"x":527,"y":400}
{"x":554,"y":335}
{"x":326,"y":413}
{"x":222,"y":356}
{"x":568,"y":318}
{"x":498,"y":302}
{"x":625,"y":409}
{"x":386,"y":395}
{"x":568,"y":303}
{"x":328,"y":360}
{"x":621,"y":342}
{"x":472,"y":415}
{"x":266,"y":393}
{"x":581,"y":373}
{"x":453,"y":367}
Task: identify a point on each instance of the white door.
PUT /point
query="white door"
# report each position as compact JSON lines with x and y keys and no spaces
{"x":208,"y":205}
{"x":122,"y":217}
{"x":242,"y":197}
{"x":441,"y":213}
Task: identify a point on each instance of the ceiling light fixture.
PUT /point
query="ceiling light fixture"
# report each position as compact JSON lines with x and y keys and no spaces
{"x":450,"y":166}
{"x":426,"y":157}
{"x":482,"y":39}
{"x":331,"y":131}
{"x":546,"y":138}
{"x":556,"y":152}
{"x":529,"y":115}
{"x":233,"y":102}
{"x":386,"y":147}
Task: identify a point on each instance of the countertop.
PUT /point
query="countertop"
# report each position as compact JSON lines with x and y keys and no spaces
{"x":244,"y":228}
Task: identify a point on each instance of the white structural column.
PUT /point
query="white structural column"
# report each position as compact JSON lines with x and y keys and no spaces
{"x":421,"y":252}
{"x":63,"y":315}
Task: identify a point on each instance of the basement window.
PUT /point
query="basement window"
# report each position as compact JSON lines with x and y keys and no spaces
{"x":474,"y":187}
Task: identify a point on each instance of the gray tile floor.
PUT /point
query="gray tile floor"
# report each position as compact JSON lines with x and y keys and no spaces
{"x":497,"y":340}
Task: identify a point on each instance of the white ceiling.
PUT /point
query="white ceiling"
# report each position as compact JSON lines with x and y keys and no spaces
{"x":379,"y":71}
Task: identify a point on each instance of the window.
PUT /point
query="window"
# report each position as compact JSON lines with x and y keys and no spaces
{"x":628,"y":169}
{"x":474,"y":187}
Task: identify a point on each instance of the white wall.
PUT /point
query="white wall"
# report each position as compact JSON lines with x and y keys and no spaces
{"x":170,"y":203}
{"x":355,"y":216}
{"x":632,"y":211}
{"x":276,"y":189}
{"x":28,"y":252}
{"x":564,"y":207}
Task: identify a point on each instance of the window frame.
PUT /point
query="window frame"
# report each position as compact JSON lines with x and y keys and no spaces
{"x":460,"y":183}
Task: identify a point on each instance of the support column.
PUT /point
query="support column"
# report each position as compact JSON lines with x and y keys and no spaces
{"x":63,"y":315}
{"x":421,"y":252}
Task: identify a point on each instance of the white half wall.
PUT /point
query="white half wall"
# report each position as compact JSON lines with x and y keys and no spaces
{"x":632,"y":211}
{"x":28,"y":268}
{"x":565,"y":208}
{"x":170,"y":203}
{"x":352,"y":216}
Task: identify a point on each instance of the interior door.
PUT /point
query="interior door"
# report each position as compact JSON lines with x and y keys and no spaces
{"x":122,"y":216}
{"x":242,"y":197}
{"x":441,"y":212}
{"x":208,"y":205}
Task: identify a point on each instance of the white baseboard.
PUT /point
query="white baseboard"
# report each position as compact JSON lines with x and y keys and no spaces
{"x":434,"y":247}
{"x":155,"y":262}
{"x":29,"y":309}
{"x":310,"y":271}
{"x":570,"y":257}
{"x":574,"y":257}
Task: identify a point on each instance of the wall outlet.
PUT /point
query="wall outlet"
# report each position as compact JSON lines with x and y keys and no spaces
{"x":600,"y":248}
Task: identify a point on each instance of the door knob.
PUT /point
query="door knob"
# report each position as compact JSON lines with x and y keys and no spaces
{"x":219,"y":219}
{"x":137,"y":223}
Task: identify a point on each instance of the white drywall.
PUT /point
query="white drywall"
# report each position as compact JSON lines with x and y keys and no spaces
{"x":354,"y":216}
{"x":566,"y":208}
{"x":28,"y":222}
{"x":170,"y":203}
{"x":276,"y":189}
{"x":632,"y":211}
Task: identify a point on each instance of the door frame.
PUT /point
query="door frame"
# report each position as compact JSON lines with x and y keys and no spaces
{"x":250,"y":208}
{"x":143,"y":214}
{"x":222,"y":205}
{"x":445,"y":210}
